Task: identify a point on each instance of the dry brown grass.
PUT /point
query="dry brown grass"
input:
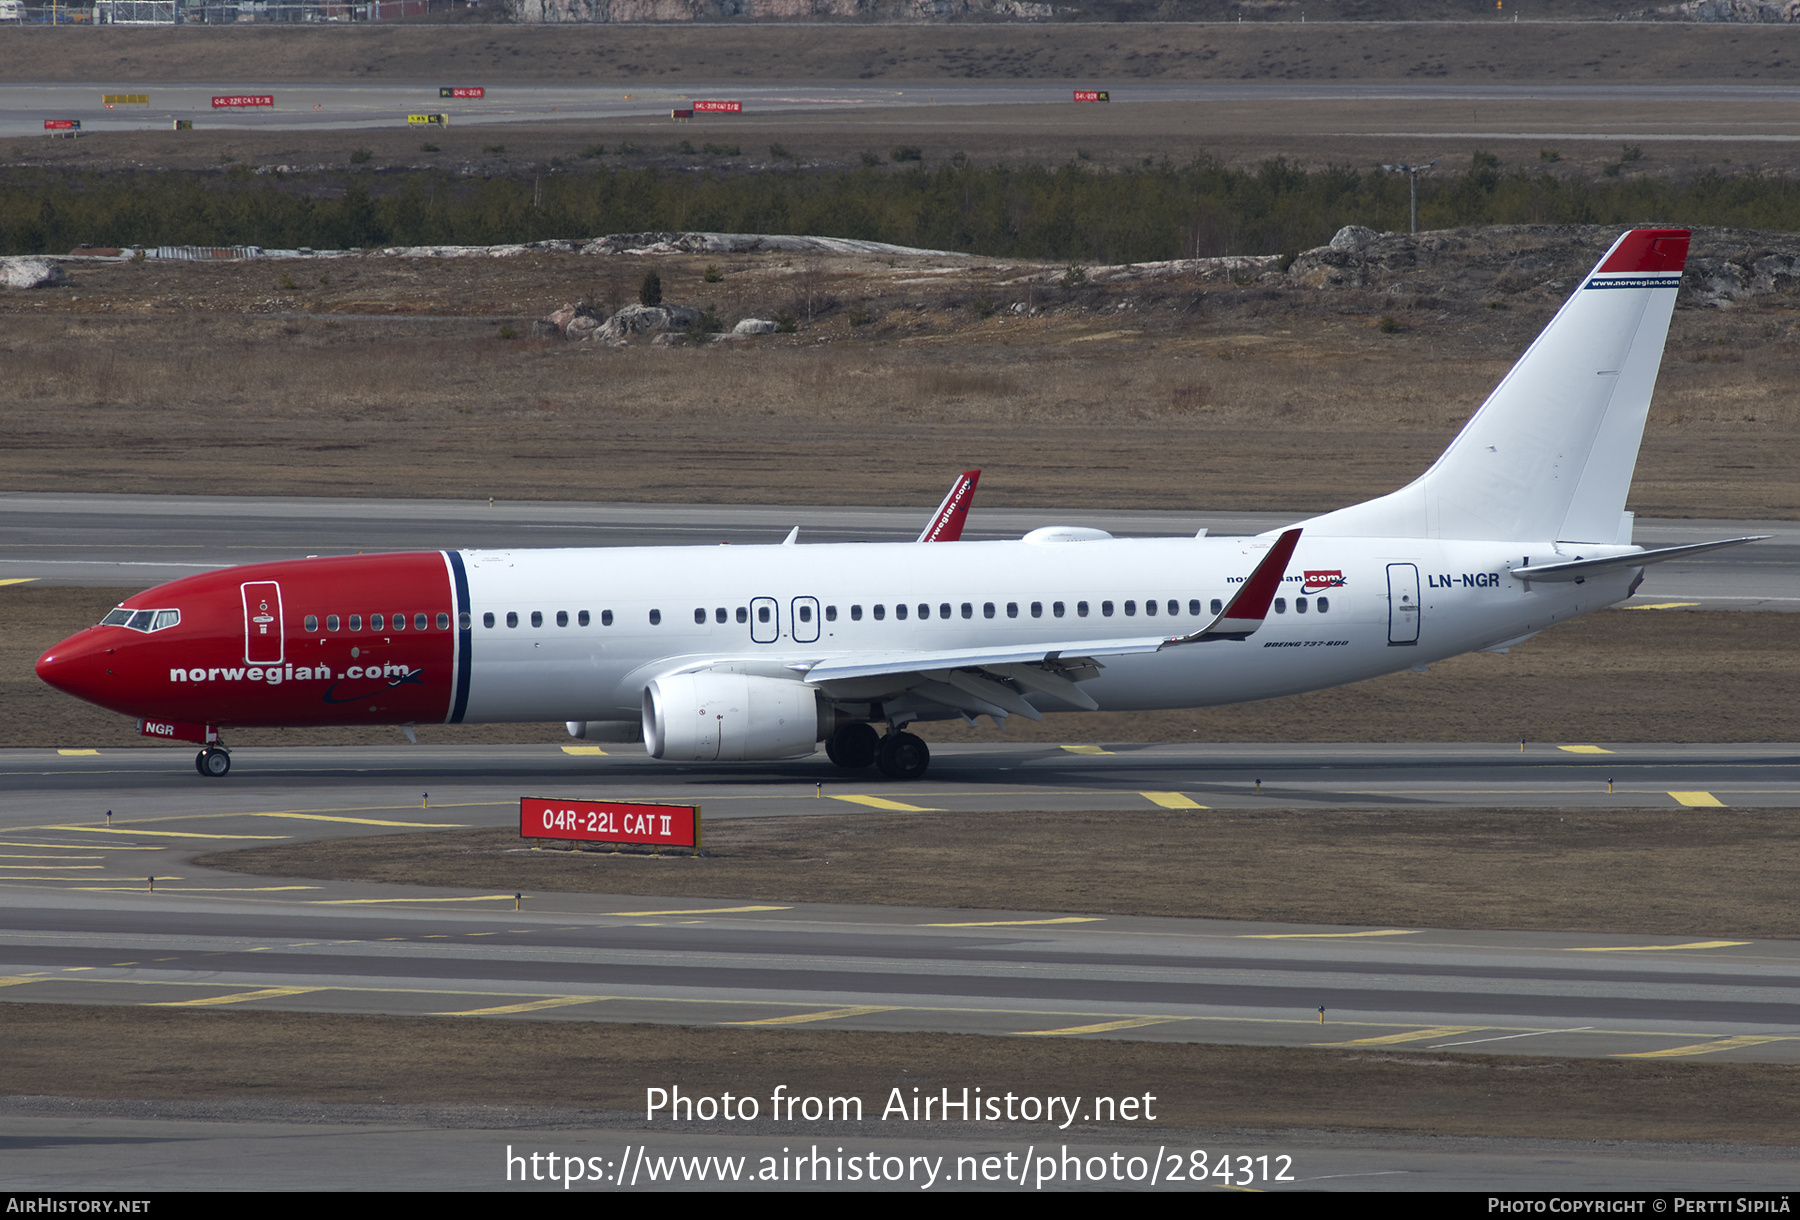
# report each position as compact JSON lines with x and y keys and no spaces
{"x":152,"y":378}
{"x":151,"y":1054}
{"x":1640,"y":871}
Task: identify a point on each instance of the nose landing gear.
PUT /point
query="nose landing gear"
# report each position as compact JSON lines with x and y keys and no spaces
{"x":213,"y":762}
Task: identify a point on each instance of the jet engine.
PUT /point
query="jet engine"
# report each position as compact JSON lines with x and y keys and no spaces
{"x":707,"y":717}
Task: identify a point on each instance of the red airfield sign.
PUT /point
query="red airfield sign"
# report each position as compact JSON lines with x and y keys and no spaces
{"x":609,"y":822}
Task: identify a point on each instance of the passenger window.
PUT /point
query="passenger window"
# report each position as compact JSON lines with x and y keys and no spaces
{"x":375,"y":622}
{"x":1281,"y":605}
{"x":1106,"y":608}
{"x":806,"y":614}
{"x":512,"y":618}
{"x":856,"y":614}
{"x":1149,"y":606}
{"x":1081,"y":609}
{"x":1193,"y":607}
{"x":987,"y":610}
{"x":1131,"y":609}
{"x":925,"y":611}
{"x":562,"y":618}
{"x":900,"y":610}
{"x":762,"y":614}
{"x":312,"y":623}
{"x":1037,"y":609}
{"x":1012,"y":609}
{"x":655,"y":618}
{"x":487,"y":620}
{"x":1218,"y":607}
{"x":606,"y":618}
{"x":831,"y":614}
{"x":581,"y":618}
{"x":331,"y":622}
{"x":720,"y":615}
{"x":420,"y":622}
{"x":399,"y":622}
{"x":700,"y":616}
{"x":1324,"y":604}
{"x":968,"y":611}
{"x":1174,"y":606}
{"x":880,"y":613}
{"x":537,"y":618}
{"x":356,"y":622}
{"x":743,"y":615}
{"x":1056,"y":609}
{"x":463,"y":621}
{"x":1299,"y":605}
{"x":943,"y":610}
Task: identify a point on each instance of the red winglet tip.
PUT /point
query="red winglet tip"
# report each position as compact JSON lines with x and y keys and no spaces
{"x":1645,"y":250}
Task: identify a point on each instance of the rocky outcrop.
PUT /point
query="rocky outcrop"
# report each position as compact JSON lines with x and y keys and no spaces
{"x":31,"y":272}
{"x":616,"y":12}
{"x":747,"y":243}
{"x":1744,"y":12}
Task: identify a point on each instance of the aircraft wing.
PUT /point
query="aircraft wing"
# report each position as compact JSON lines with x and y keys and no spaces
{"x":990,"y":681}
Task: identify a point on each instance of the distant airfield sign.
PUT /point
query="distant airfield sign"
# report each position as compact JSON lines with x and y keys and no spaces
{"x":655,"y":825}
{"x":235,"y":101}
{"x":125,"y":99}
{"x":442,"y":120}
{"x":461,"y":91}
{"x":718,"y":107}
{"x":62,"y":124}
{"x":1093,"y":95}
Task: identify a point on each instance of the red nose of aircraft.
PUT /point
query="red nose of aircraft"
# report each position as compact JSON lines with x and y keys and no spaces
{"x":82,"y":665}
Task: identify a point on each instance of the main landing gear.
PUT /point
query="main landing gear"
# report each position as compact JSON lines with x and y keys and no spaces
{"x":213,"y":762}
{"x":897,"y":756}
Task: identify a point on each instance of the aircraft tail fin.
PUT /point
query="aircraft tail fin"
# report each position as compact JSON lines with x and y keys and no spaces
{"x":1550,"y":453}
{"x":946,"y":524}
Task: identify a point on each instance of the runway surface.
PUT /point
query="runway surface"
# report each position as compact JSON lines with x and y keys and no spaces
{"x":24,"y":107}
{"x":146,"y":540}
{"x":74,"y":877}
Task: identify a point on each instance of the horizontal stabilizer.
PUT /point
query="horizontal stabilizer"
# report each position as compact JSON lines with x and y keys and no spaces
{"x":1581,"y":569}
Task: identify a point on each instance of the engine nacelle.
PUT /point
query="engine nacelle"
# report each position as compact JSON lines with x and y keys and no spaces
{"x":724,"y":717}
{"x":606,"y":730}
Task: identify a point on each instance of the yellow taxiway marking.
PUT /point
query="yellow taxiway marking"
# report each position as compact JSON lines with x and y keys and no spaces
{"x":195,"y":889}
{"x":16,"y":980}
{"x":67,"y":752}
{"x":1694,"y":944}
{"x":1699,"y":800}
{"x":353,"y":902}
{"x":700,"y":911}
{"x":1327,"y":935}
{"x":1411,"y":1035}
{"x":1018,"y":923}
{"x":582,"y":750}
{"x":267,"y":993}
{"x":53,"y":866}
{"x":325,"y":817}
{"x":881,"y":802}
{"x":1086,"y":750}
{"x":1105,"y":1027}
{"x":19,"y":580}
{"x":1171,"y":800}
{"x":1584,"y":749}
{"x":1705,"y":1048}
{"x":830,"y":1014}
{"x":561,"y":1001}
{"x":1664,"y":606}
{"x":80,"y":847}
{"x":164,"y":834}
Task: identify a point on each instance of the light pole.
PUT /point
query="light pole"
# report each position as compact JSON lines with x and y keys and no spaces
{"x":1413,"y":172}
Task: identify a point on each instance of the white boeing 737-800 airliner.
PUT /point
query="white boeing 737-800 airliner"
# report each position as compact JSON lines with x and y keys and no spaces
{"x":761,"y":652}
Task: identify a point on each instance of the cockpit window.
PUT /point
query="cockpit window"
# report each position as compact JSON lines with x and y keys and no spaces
{"x":141,"y":620}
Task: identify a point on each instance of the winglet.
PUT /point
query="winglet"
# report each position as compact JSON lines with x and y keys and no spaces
{"x":946,"y":524}
{"x":1245,"y":612}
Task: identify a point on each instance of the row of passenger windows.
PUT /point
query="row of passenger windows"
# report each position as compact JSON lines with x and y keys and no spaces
{"x":765,"y":613}
{"x":420,"y":622}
